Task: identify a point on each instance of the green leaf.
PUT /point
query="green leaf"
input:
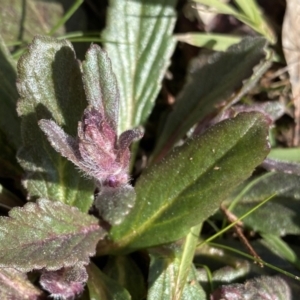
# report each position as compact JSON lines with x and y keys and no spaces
{"x":280,"y":216}
{"x":207,"y":86}
{"x":101,"y":287}
{"x":15,"y":285}
{"x":249,"y":14}
{"x":188,"y":186}
{"x":47,"y":235}
{"x":50,"y":86}
{"x":139,"y":42}
{"x":162,"y":279}
{"x":124,"y":271}
{"x":285,"y":154}
{"x":249,"y":9}
{"x":254,"y":19}
{"x":220,"y":7}
{"x":213,"y":41}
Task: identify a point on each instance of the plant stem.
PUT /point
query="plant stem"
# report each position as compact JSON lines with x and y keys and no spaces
{"x":187,"y":256}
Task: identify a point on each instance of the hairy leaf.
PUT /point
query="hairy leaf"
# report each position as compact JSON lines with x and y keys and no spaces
{"x":47,"y":235}
{"x":209,"y":84}
{"x":101,"y":85}
{"x":139,"y":42}
{"x":97,"y":151}
{"x":275,"y":165}
{"x":272,"y":111}
{"x":280,"y":215}
{"x":101,"y":287}
{"x":15,"y":285}
{"x":50,"y":86}
{"x":265,"y":287}
{"x":65,"y":283}
{"x":188,"y":186}
{"x":234,"y":269}
{"x":114,"y":204}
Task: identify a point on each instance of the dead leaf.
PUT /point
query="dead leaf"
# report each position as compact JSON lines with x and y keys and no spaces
{"x":291,"y":49}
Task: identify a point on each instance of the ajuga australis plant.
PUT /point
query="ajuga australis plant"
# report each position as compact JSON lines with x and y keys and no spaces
{"x":76,"y":174}
{"x":98,"y":151}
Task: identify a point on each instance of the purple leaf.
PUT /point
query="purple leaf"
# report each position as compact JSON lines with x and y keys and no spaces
{"x":47,"y":235}
{"x":264,"y":287}
{"x":125,"y":140}
{"x":65,"y":283}
{"x":60,"y":141}
{"x":271,"y":110}
{"x":281,"y":166}
{"x":15,"y":285}
{"x":129,"y":136}
{"x":96,"y":151}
